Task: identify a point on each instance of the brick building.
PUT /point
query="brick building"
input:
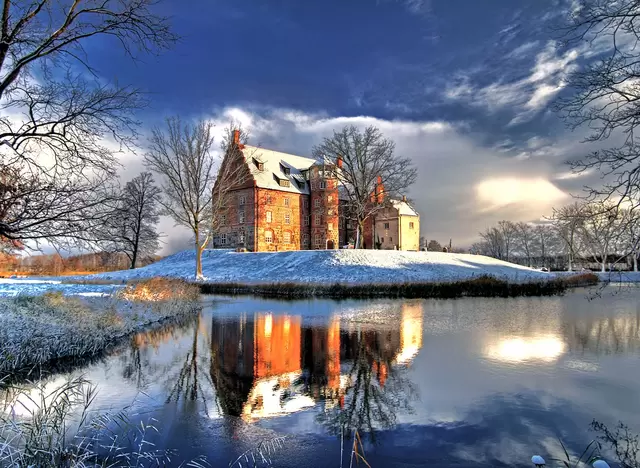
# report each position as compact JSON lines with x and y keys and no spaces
{"x":284,"y":202}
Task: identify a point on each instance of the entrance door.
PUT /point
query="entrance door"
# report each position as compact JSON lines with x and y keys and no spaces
{"x":330,"y":245}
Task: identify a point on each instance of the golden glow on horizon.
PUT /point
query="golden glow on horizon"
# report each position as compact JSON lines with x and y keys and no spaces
{"x":502,"y":191}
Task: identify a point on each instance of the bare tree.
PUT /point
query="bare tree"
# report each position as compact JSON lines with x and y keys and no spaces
{"x":524,"y":238}
{"x":600,"y":230}
{"x":132,"y":227}
{"x":605,"y":94}
{"x":631,"y":235}
{"x":55,"y":125}
{"x":567,"y":221}
{"x":181,"y":155}
{"x":508,"y":231}
{"x":543,"y":243}
{"x":492,"y":243}
{"x":366,"y":159}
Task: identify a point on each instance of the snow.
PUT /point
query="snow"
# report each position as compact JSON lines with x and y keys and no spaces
{"x":404,"y":209}
{"x":347,"y":266}
{"x":35,"y":287}
{"x":272,"y":161}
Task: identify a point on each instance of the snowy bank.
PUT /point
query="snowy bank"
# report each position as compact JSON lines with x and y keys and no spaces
{"x":330,"y":267}
{"x":35,"y":330}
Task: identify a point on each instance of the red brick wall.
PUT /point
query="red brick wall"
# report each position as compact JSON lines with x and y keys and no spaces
{"x":326,"y":214}
{"x":275,"y":202}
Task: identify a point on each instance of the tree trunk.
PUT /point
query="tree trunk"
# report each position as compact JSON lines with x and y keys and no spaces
{"x":569,"y":266}
{"x":360,"y":235}
{"x":635,"y":261}
{"x":198,"y":255}
{"x":134,"y":258}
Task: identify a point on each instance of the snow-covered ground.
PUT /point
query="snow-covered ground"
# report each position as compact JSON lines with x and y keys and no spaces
{"x":329,"y":267}
{"x":37,"y":286}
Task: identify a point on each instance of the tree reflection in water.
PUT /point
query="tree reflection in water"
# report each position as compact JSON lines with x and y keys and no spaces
{"x":273,"y":365}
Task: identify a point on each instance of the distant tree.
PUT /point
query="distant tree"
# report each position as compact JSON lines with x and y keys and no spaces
{"x":194,"y":179}
{"x":367,"y":157}
{"x":600,"y":230}
{"x":508,"y":231}
{"x":545,"y":240}
{"x":56,"y":168}
{"x":423,"y":242}
{"x":492,"y":243}
{"x":524,"y":238}
{"x":630,"y":236}
{"x":434,"y":246}
{"x":132,"y":228}
{"x":567,"y":222}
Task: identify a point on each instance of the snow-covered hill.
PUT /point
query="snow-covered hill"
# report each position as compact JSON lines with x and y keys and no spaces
{"x":329,"y":267}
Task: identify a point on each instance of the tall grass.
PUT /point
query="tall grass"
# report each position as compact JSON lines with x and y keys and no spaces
{"x":35,"y":330}
{"x":57,"y":429}
{"x":484,"y":286}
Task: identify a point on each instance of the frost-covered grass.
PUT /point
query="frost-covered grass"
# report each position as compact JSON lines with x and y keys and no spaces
{"x":37,"y":329}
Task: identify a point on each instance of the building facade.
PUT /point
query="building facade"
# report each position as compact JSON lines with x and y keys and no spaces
{"x":285,"y":202}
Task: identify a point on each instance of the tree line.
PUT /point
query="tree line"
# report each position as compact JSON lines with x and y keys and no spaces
{"x":601,"y":233}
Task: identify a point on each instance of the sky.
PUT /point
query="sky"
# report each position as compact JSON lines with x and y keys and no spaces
{"x":465,"y":88}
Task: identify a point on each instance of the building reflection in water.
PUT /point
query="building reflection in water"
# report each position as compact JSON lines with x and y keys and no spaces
{"x":271,"y":365}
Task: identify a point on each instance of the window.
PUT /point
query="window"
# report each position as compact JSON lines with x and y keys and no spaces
{"x":410,"y":225}
{"x":318,"y":220}
{"x":269,"y":216}
{"x":305,"y":239}
{"x":349,"y":224}
{"x":286,"y":201}
{"x":330,"y":226}
{"x":261,"y":166}
{"x":390,"y":239}
{"x":284,"y":183}
{"x":306,"y":203}
{"x":317,"y":242}
{"x":306,"y":220}
{"x":268,"y":200}
{"x":323,"y":185}
{"x":386,"y":225}
{"x":268,"y":237}
{"x":223,"y":238}
{"x":342,"y":222}
{"x":329,"y":198}
{"x":286,"y":237}
{"x":287,"y":218}
{"x":316,"y":203}
{"x":223,"y":220}
{"x":241,"y":217}
{"x":242,"y":200}
{"x":241,"y":238}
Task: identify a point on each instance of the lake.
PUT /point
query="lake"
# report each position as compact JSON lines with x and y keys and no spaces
{"x":466,"y":382}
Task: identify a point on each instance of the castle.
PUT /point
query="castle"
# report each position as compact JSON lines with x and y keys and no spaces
{"x":287,"y":202}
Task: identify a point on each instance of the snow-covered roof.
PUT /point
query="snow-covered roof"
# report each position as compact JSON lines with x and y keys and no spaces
{"x":273,"y":170}
{"x":404,"y":209}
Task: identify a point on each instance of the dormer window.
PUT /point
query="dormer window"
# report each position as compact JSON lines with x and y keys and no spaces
{"x":259,"y":164}
{"x":284,"y":183}
{"x":286,"y":170}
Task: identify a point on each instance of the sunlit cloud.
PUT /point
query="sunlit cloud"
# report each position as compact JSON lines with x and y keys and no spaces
{"x":499,"y":192}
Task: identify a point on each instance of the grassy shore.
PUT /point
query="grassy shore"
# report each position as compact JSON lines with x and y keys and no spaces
{"x":35,"y":330}
{"x":484,"y":286}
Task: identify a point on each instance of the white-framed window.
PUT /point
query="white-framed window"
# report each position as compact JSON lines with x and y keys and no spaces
{"x":316,"y":203}
{"x":241,"y":238}
{"x":306,"y":220}
{"x":269,"y":216}
{"x":268,"y":236}
{"x":318,"y":220}
{"x":223,"y":220}
{"x":323,"y":185}
{"x":411,"y":225}
{"x":287,"y":218}
{"x":241,"y":217}
{"x":305,"y":239}
{"x":268,"y":200}
{"x":223,"y":238}
{"x":242,"y":200}
{"x":330,"y":198}
{"x":386,"y":225}
{"x":306,"y":203}
{"x":286,"y":201}
{"x":317,"y":242}
{"x":330,"y":226}
{"x":286,"y":237}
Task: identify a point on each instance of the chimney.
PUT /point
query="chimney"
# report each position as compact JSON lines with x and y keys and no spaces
{"x":404,"y":198}
{"x":379,"y":191}
{"x":236,"y":137}
{"x":339,"y":162}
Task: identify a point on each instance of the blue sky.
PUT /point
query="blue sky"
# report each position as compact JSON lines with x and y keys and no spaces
{"x":464,"y":87}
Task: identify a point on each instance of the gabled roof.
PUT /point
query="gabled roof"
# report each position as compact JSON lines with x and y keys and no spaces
{"x":272,"y":171}
{"x":404,"y":209}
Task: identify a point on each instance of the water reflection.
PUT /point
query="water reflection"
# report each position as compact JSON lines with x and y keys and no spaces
{"x":270,"y":365}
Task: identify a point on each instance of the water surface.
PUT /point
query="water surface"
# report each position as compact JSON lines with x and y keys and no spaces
{"x":466,"y":382}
